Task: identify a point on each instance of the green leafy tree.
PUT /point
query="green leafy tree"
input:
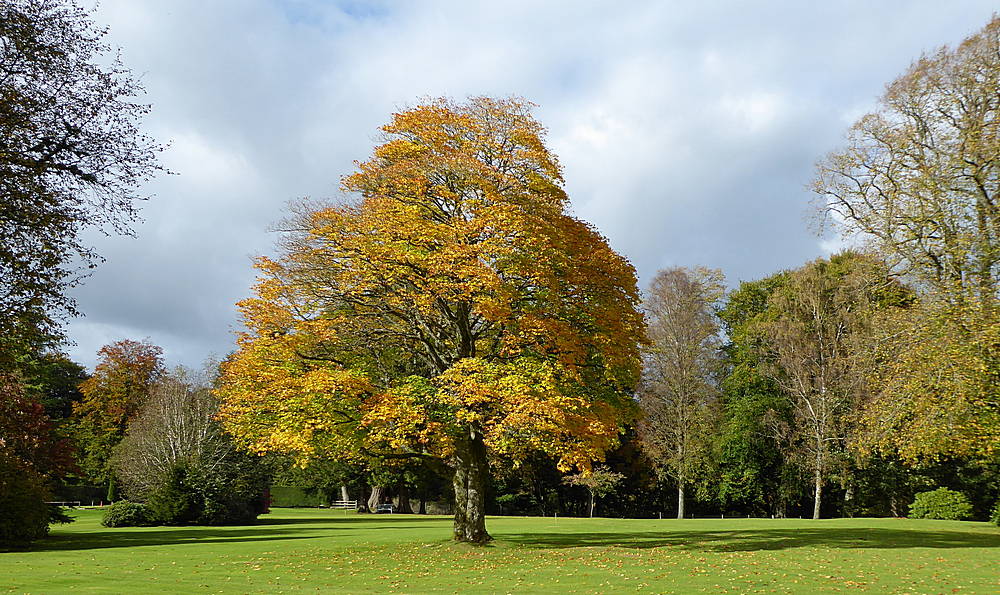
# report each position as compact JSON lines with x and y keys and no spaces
{"x":815,"y":337}
{"x":56,"y":380}
{"x":754,"y":472}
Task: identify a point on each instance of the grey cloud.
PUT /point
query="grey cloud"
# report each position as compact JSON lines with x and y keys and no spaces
{"x":688,"y":131}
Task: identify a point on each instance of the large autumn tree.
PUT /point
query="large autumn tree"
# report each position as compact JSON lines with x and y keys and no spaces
{"x":919,"y":180}
{"x":453,"y":311}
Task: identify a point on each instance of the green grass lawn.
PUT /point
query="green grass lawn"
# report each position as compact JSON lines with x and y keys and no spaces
{"x":322,"y":551}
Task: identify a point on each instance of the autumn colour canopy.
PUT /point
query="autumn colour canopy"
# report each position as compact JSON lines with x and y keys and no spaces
{"x":455,"y":310}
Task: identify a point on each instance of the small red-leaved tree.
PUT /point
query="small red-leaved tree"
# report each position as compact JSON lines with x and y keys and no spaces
{"x":30,"y":455}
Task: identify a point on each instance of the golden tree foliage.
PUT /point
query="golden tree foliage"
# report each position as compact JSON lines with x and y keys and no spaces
{"x":939,"y":390}
{"x":456,"y":305}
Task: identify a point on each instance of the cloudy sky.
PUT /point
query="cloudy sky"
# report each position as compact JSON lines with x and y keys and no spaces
{"x":688,"y":130}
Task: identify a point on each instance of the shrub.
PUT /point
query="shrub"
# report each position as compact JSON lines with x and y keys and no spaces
{"x":175,"y":501}
{"x":221,"y":495}
{"x":995,"y":517}
{"x":126,"y":514}
{"x":24,"y":514}
{"x":234,"y":494}
{"x":941,"y":503}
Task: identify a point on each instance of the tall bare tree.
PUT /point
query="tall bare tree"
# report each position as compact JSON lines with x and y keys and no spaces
{"x":177,"y":423}
{"x":921,"y":175}
{"x":920,"y":180}
{"x":679,"y":392}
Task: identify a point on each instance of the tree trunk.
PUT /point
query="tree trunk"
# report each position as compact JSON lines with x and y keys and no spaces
{"x":423,"y":504}
{"x":470,"y":479}
{"x":818,"y":496}
{"x":539,"y":496}
{"x":781,"y":509}
{"x":819,"y":492}
{"x":363,"y":499}
{"x":680,"y":500}
{"x":591,"y":502}
{"x":404,"y":500}
{"x":344,"y":494}
{"x":849,"y":500}
{"x":378,"y":492}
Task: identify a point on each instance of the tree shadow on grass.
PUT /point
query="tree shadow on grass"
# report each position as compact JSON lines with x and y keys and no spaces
{"x":266,"y":529}
{"x":116,"y":538}
{"x":351,"y":518}
{"x":763,"y":539}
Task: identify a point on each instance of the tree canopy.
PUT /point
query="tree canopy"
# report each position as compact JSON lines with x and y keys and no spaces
{"x":120,"y":385}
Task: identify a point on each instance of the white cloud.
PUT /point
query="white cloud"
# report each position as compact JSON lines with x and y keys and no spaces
{"x":754,"y":112}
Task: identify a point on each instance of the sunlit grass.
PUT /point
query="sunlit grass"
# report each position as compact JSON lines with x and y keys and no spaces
{"x":322,"y":551}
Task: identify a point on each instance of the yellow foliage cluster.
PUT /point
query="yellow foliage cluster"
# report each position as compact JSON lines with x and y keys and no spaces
{"x":938,"y":388}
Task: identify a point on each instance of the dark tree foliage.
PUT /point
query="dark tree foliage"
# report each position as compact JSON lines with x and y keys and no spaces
{"x":71,"y":157}
{"x":753,"y":475}
{"x":31,"y":456}
{"x":537,"y":487}
{"x":324,"y":477}
{"x":27,"y":434}
{"x":24,"y":515}
{"x":56,"y":380}
{"x":193,"y":493}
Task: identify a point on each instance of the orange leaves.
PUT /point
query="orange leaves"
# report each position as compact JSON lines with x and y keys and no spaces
{"x":271,"y":406}
{"x":407,"y":417}
{"x":120,"y":384}
{"x":459,"y":287}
